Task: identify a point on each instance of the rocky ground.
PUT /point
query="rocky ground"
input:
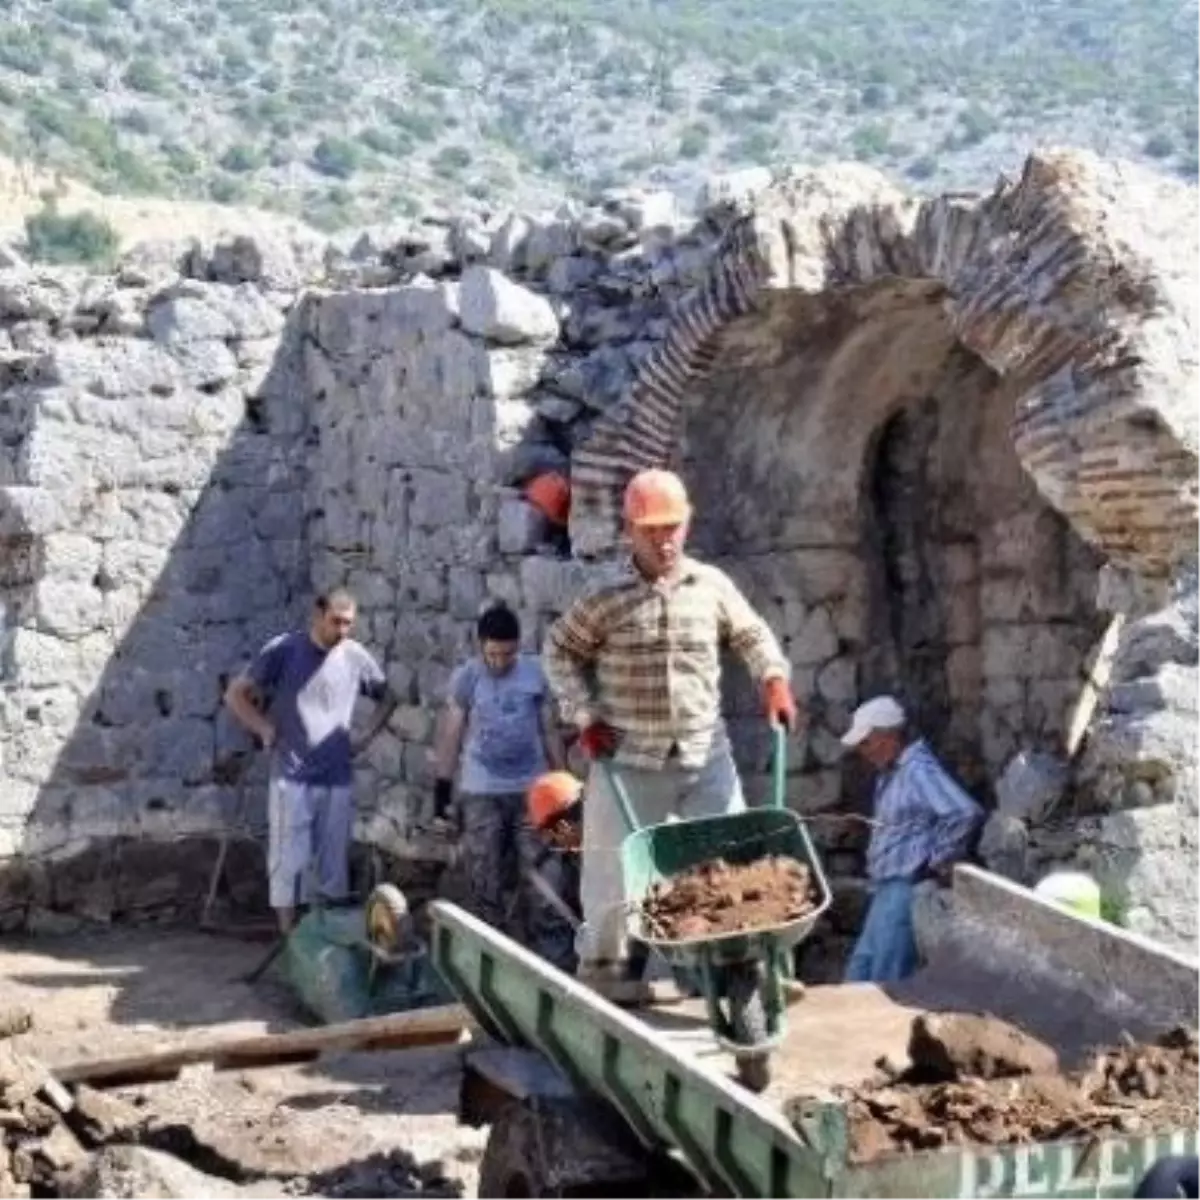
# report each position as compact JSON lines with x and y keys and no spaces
{"x":379,"y":1124}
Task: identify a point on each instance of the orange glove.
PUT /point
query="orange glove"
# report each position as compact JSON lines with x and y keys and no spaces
{"x":780,"y":703}
{"x":598,"y":740}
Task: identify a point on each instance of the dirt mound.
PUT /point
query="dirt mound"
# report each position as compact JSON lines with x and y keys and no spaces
{"x":944,"y":1048}
{"x":989,"y":1096}
{"x":718,"y":897}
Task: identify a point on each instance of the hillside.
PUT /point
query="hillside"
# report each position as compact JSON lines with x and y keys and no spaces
{"x":345,"y":111}
{"x":24,"y":186}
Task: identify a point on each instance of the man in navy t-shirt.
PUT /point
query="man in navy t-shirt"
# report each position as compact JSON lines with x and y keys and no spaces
{"x":297,"y":697}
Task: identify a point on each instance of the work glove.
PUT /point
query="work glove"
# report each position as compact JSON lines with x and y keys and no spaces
{"x":779,"y":703}
{"x":598,"y":740}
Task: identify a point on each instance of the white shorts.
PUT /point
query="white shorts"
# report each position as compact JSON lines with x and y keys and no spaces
{"x":308,"y":828}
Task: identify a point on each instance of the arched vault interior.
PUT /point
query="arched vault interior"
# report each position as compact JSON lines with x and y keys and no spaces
{"x":853,"y":469}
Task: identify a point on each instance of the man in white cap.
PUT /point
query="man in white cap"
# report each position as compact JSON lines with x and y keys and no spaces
{"x":922,"y":823}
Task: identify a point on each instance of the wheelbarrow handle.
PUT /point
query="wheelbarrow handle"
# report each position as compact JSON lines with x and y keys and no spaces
{"x":779,"y":766}
{"x":778,"y":779}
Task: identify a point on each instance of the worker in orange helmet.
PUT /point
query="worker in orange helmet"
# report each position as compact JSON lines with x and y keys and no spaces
{"x":550,"y":494}
{"x":635,"y":666}
{"x":554,"y":816}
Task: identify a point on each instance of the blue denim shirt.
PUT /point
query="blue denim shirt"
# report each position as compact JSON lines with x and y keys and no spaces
{"x":923,"y":818}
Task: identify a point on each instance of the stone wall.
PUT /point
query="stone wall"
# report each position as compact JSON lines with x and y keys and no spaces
{"x":416,"y":414}
{"x":152,"y":478}
{"x":914,"y":431}
{"x":832,"y":303}
{"x":944,"y":577}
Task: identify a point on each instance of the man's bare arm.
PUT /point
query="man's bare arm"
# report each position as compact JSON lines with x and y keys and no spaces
{"x":384,"y":707}
{"x":447,"y":744}
{"x":243,"y":700}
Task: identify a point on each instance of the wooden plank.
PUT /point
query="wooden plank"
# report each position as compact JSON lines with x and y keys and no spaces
{"x":1094,"y":684}
{"x":440,"y":1025}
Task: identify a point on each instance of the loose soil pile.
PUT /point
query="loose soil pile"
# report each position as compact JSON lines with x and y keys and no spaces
{"x":979,"y":1081}
{"x":718,"y":897}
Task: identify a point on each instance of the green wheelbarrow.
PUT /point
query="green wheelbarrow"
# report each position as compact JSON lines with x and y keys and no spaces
{"x":742,"y":974}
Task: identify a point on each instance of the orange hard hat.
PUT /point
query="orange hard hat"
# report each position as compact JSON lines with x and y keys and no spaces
{"x":656,"y":497}
{"x":550,"y":494}
{"x":550,"y":796}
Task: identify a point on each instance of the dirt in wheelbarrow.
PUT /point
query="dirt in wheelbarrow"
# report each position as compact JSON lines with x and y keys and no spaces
{"x":975,"y":1080}
{"x":718,"y":897}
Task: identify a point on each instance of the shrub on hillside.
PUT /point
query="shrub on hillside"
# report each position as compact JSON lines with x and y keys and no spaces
{"x":83,"y":237}
{"x":145,"y":75}
{"x":337,"y":157}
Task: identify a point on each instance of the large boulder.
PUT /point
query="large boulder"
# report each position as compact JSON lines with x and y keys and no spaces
{"x":493,"y":307}
{"x":1031,"y":786}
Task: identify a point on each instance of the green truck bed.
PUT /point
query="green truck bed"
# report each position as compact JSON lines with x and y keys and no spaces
{"x":601,"y":1091}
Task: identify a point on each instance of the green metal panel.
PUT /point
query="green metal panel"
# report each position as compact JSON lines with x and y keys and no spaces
{"x":1110,"y":1167}
{"x":1101,"y":1167}
{"x":733,"y":1140}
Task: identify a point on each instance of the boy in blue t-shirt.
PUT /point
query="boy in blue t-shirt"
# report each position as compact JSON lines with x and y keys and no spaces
{"x":498,"y":735}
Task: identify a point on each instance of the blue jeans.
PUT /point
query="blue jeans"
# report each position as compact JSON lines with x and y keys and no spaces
{"x":886,"y":950}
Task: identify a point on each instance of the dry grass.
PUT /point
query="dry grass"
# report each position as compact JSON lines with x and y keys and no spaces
{"x":136,"y":219}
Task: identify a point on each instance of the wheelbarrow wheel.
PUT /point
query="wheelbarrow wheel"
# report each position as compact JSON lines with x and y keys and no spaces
{"x":386,"y":916}
{"x":748,"y":1019}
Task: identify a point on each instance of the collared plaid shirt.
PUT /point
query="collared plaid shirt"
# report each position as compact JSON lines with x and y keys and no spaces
{"x":923,"y":818}
{"x":645,"y":658}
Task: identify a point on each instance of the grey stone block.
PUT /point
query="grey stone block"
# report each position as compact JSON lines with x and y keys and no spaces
{"x":493,"y":307}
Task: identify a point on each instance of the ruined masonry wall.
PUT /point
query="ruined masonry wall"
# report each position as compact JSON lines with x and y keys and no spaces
{"x":152,"y":475}
{"x":189,"y":449}
{"x":412,"y":421}
{"x":192,"y":447}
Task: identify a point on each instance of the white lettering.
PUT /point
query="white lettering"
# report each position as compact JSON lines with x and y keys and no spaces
{"x":1067,"y":1181}
{"x":1113,"y":1166}
{"x":982,"y":1175}
{"x":1114,"y":1173}
{"x":1029,"y":1176}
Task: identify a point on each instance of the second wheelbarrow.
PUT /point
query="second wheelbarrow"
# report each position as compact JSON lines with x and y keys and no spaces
{"x":741,"y":974}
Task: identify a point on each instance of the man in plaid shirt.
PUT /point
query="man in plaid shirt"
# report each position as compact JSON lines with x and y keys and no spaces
{"x":922,"y":823}
{"x":635,"y":666}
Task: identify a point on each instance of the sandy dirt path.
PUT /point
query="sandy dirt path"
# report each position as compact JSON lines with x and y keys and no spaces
{"x":353,"y":1124}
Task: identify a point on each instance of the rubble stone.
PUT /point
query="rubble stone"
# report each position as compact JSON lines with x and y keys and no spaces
{"x":495,"y":308}
{"x":125,"y":1172}
{"x":1032,"y":784}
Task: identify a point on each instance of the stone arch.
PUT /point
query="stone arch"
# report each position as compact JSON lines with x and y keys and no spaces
{"x":1072,"y":284}
{"x":1051,"y":322}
